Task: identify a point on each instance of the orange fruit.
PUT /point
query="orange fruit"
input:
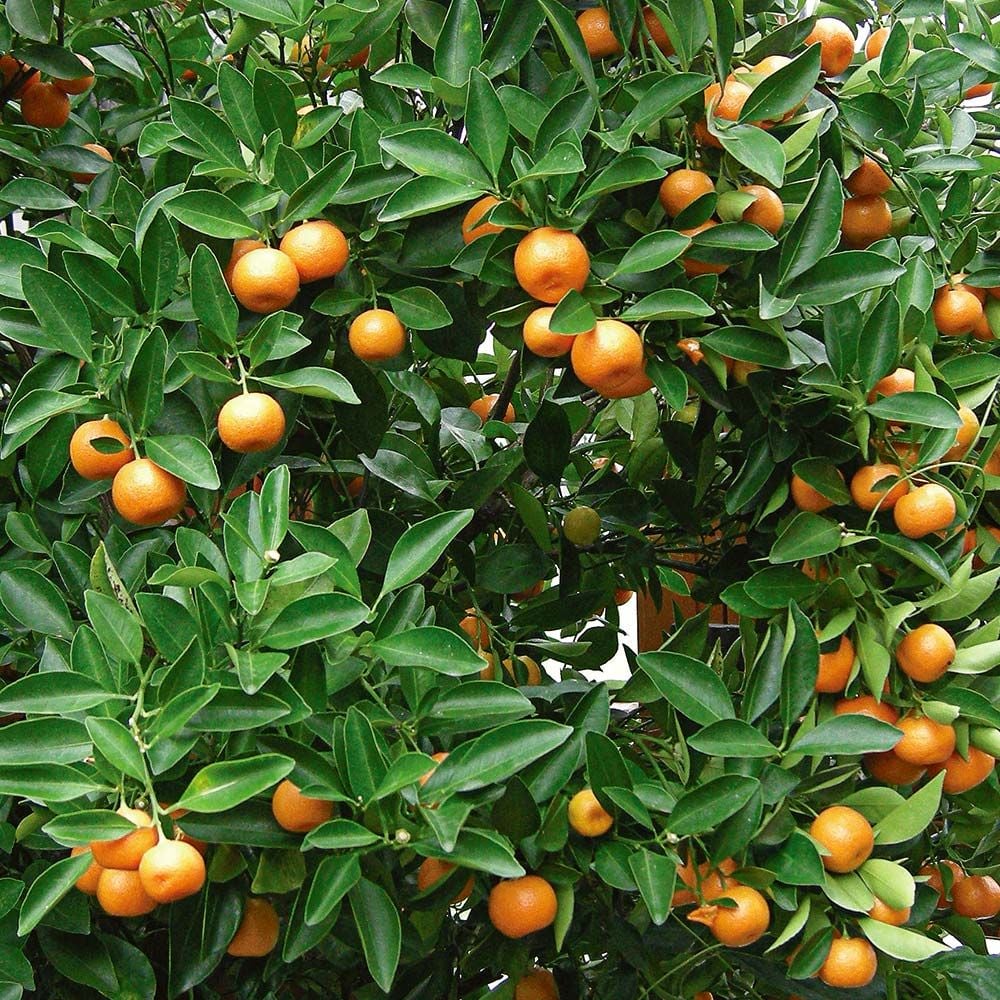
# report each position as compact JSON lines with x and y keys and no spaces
{"x":866,"y":704}
{"x":296,"y":812}
{"x":866,"y":218}
{"x":94,"y":147}
{"x":623,"y":596}
{"x":483,"y":406}
{"x":885,"y":914}
{"x":476,"y":628}
{"x":533,"y":591}
{"x":771,"y":64}
{"x":587,"y":816}
{"x":608,"y":355}
{"x":900,"y":380}
{"x":978,"y":90}
{"x":767,"y":211}
{"x":44,"y":105}
{"x":126,"y":852}
{"x":265,"y":280}
{"x":433,"y":870}
{"x":634,"y":386}
{"x":976,"y":897}
{"x":868,"y":179}
{"x":172,"y":870}
{"x":121,"y":894}
{"x":805,"y":497}
{"x":711,"y":882}
{"x":377,"y":335}
{"x":520,"y":906}
{"x":692,"y":266}
{"x":257,"y":933}
{"x":928,"y":508}
{"x":87,"y":882}
{"x":739,"y":926}
{"x":847,"y":837}
{"x":982,"y":329}
{"x":864,"y":480}
{"x":145,"y":494}
{"x":836,"y":44}
{"x":11,"y":68}
{"x":703,"y":137}
{"x":960,"y":774}
{"x":876,"y":42}
{"x":240,"y":249}
{"x":540,"y":340}
{"x":439,"y":756}
{"x":532,"y":671}
{"x":964,"y":436}
{"x":924,"y":740}
{"x":835,"y":668}
{"x":80,"y":83}
{"x":538,"y":984}
{"x":890,"y":770}
{"x":692,"y":348}
{"x":600,"y":40}
{"x":728,"y":100}
{"x":742,"y":370}
{"x":925,"y":653}
{"x":318,"y":249}
{"x":935,"y":879}
{"x":850,"y":963}
{"x":549,"y":262}
{"x":91,"y":463}
{"x":251,"y":422}
{"x":681,"y":188}
{"x":359,"y":58}
{"x":473,"y":225}
{"x":956,"y":310}
{"x":657,"y":32}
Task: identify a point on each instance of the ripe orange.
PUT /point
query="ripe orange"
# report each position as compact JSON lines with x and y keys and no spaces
{"x":126,"y":852}
{"x":703,"y":137}
{"x":767,"y":211}
{"x":91,"y":463}
{"x":681,"y":188}
{"x":257,"y":934}
{"x":473,"y":225}
{"x":928,"y":508}
{"x":982,"y":329}
{"x":692,"y":266}
{"x":172,"y":870}
{"x":711,"y":882}
{"x":265,"y":280}
{"x":549,"y":262}
{"x":836,"y":43}
{"x":657,"y":32}
{"x":439,"y":756}
{"x":121,"y":894}
{"x":359,"y":58}
{"x":595,"y":26}
{"x":739,"y":926}
{"x":866,"y":218}
{"x":868,"y":179}
{"x":728,"y":100}
{"x":890,"y":770}
{"x":885,"y":914}
{"x":608,"y":355}
{"x":45,"y":106}
{"x":925,"y":653}
{"x":532,"y":671}
{"x":864,"y":480}
{"x":433,"y":870}
{"x":11,"y":68}
{"x":935,"y":879}
{"x":251,"y":422}
{"x":538,"y":984}
{"x":850,"y":963}
{"x":806,"y":497}
{"x":924,"y":740}
{"x":633,"y":386}
{"x":623,"y":596}
{"x":240,"y":249}
{"x":900,"y":380}
{"x":476,"y":628}
{"x":87,"y":882}
{"x":520,"y":906}
{"x":876,"y":42}
{"x":956,"y":310}
{"x":692,"y":348}
{"x":835,"y":668}
{"x":296,"y":812}
{"x":94,"y":147}
{"x":318,"y":249}
{"x":964,"y":436}
{"x":977,"y":897}
{"x":483,"y":406}
{"x":846,"y":835}
{"x":80,"y":83}
{"x":771,"y":64}
{"x":145,"y":494}
{"x":978,"y":90}
{"x":866,"y":704}
{"x":587,"y":816}
{"x":540,"y":340}
{"x":377,"y":335}
{"x":960,"y":774}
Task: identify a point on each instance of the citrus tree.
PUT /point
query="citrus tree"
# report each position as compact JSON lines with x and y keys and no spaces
{"x":360,"y":360}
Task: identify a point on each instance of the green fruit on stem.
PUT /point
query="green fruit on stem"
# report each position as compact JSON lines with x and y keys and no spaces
{"x":582,"y":526}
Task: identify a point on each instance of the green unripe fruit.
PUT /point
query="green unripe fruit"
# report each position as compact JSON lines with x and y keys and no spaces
{"x":582,"y":526}
{"x":986,"y":738}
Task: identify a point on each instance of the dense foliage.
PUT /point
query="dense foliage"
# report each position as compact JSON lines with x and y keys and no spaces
{"x":310,"y":612}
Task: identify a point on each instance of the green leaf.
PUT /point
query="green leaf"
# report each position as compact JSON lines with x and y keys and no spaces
{"x":186,"y":457}
{"x":313,"y":196}
{"x":46,"y":783}
{"x":431,"y":647}
{"x":78,"y":829}
{"x":210,"y":298}
{"x":420,"y":547}
{"x":566,"y":32}
{"x":784,"y":89}
{"x":115,"y":626}
{"x":34,"y":601}
{"x":334,"y":878}
{"x":211,"y":213}
{"x":225,"y":784}
{"x":806,"y":536}
{"x":574,"y":314}
{"x":117,"y":745}
{"x":274,"y":104}
{"x":31,"y":18}
{"x":343,"y":834}
{"x":486,"y":120}
{"x":925,"y":409}
{"x":202,"y":125}
{"x":847,"y":734}
{"x":840,"y":276}
{"x":732,"y":738}
{"x":692,"y":687}
{"x":705,"y":807}
{"x":321,"y":383}
{"x":30,"y":193}
{"x":912,"y":817}
{"x":907,"y":945}
{"x":159,"y":260}
{"x":757,"y":150}
{"x":655,"y":875}
{"x":312,"y":618}
{"x":668,"y":304}
{"x":48,"y":889}
{"x":236,"y":92}
{"x":460,"y":42}
{"x":547,"y":443}
{"x":424,"y":195}
{"x":38,"y":741}
{"x":420,"y":309}
{"x":798,"y":862}
{"x":651,"y":252}
{"x":816,"y":231}
{"x":61,"y":312}
{"x":107,"y":288}
{"x":431,"y":151}
{"x":377,"y":921}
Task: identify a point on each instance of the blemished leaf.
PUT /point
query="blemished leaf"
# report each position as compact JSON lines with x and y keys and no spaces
{"x":223,"y":785}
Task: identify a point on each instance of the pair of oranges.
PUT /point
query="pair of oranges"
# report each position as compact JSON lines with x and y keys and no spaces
{"x":44,"y":105}
{"x":601,"y":42}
